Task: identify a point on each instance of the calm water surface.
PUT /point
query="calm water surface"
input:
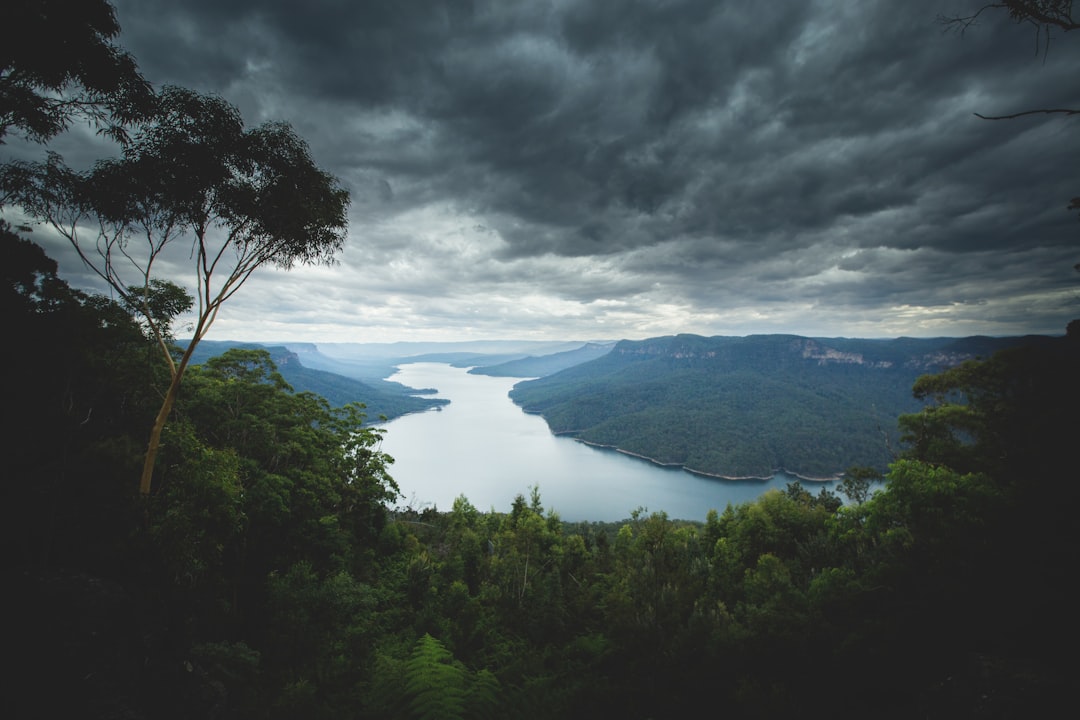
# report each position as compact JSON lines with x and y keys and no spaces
{"x":483,"y":446}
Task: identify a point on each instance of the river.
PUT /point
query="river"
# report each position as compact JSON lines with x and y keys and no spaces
{"x":486,"y":448}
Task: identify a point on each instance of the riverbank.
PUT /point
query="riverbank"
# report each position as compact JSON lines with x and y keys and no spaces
{"x":703,"y":473}
{"x":482,"y":446}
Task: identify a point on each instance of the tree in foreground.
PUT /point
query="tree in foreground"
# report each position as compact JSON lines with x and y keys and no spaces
{"x":242,"y":198}
{"x":58,"y":62}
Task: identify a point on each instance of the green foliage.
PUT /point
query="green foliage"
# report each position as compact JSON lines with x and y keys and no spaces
{"x":434,"y":682}
{"x":159,"y":302}
{"x":857,"y":483}
{"x":77,"y":384}
{"x":202,"y":510}
{"x":746,"y":406}
{"x":1008,"y":416}
{"x":1004,"y":428}
{"x":319,"y":628}
{"x":531,"y":366}
{"x":381,"y":399}
{"x":79,"y":72}
{"x":283,"y":585}
{"x":192,"y":173}
{"x":313,"y":477}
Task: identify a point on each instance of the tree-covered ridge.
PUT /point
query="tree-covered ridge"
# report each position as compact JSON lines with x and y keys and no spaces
{"x":541,"y":365}
{"x":380,"y":399}
{"x":271,"y":573}
{"x":749,"y":406}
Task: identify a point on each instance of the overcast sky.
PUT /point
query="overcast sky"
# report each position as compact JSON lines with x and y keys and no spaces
{"x":618,"y":169}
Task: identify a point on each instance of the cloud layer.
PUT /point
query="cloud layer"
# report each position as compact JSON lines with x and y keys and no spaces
{"x":573,"y":169}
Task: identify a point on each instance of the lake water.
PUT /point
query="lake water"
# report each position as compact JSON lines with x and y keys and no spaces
{"x":485,"y":447}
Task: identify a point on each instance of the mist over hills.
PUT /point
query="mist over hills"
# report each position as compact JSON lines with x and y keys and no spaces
{"x":539,"y":366}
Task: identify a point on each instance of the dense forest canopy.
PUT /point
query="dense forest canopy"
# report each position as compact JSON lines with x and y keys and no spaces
{"x":271,"y":573}
{"x":750,"y":406}
{"x":381,"y":399}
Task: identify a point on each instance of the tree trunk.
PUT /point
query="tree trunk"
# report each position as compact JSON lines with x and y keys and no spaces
{"x":162,"y":416}
{"x":155,"y":435}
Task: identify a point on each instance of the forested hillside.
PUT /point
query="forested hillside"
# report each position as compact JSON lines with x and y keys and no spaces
{"x":749,"y":406}
{"x":538,"y":366}
{"x":380,"y":399}
{"x":270,"y":574}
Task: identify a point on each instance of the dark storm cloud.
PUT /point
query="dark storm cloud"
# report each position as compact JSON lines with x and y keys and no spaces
{"x":717,"y":152}
{"x":779,"y":114}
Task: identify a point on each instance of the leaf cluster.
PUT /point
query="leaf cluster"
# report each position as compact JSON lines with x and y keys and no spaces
{"x":58,"y":62}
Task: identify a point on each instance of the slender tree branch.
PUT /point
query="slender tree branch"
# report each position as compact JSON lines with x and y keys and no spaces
{"x":1042,"y":15}
{"x":1059,"y":111}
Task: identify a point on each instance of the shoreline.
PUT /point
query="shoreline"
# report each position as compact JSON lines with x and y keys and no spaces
{"x":702,"y":473}
{"x":437,"y":407}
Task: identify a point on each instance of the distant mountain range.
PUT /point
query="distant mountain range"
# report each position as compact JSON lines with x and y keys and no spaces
{"x":538,"y":366}
{"x":724,"y":406}
{"x":381,"y":398}
{"x":357,"y":372}
{"x":749,"y":406}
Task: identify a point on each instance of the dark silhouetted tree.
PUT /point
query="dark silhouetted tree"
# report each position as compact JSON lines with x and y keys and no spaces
{"x":242,"y":198}
{"x":58,"y":63}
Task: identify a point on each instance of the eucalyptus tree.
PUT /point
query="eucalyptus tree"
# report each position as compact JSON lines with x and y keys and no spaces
{"x":193,"y":177}
{"x":58,"y":62}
